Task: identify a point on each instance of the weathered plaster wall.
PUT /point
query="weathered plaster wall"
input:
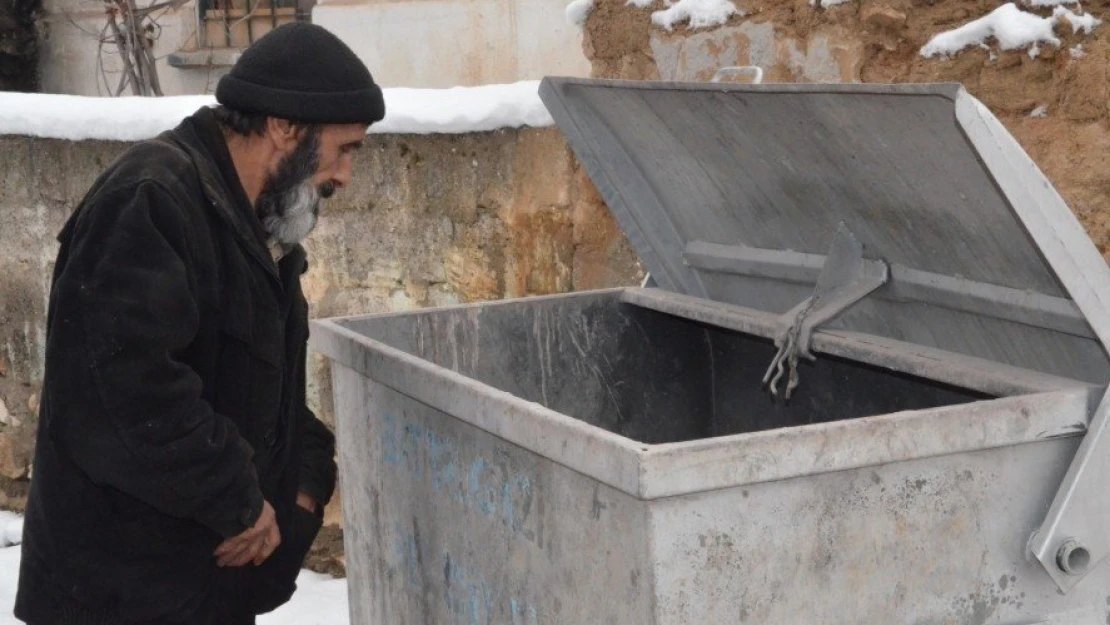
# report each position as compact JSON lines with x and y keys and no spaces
{"x":428,"y":221}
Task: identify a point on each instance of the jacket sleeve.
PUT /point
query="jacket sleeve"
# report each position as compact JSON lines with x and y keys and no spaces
{"x":318,"y":469}
{"x":133,"y":417}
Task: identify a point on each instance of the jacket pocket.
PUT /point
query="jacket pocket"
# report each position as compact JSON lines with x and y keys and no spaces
{"x":273,"y":583}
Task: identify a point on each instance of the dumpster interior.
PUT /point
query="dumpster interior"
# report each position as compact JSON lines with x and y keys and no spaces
{"x":649,"y":376}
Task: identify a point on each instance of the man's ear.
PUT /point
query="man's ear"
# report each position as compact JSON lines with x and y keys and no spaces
{"x":282,"y":133}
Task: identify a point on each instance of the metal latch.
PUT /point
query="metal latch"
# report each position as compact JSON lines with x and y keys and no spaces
{"x":845,"y":279}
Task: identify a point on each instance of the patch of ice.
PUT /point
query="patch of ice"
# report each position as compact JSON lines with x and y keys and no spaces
{"x":1040,"y":111}
{"x":1009,"y":25}
{"x":1079,"y":23}
{"x":408,"y":111}
{"x":578,"y":11}
{"x":699,"y":14}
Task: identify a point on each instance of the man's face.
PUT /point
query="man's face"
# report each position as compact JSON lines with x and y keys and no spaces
{"x":313,"y":168}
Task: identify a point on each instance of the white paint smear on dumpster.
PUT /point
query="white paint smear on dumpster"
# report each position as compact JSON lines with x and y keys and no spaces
{"x":1011,"y":27}
{"x":408,"y":111}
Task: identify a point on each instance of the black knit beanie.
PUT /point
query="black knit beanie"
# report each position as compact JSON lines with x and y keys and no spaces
{"x":303,"y":73}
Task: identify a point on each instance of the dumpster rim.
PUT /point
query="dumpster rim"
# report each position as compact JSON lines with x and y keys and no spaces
{"x":650,"y":472}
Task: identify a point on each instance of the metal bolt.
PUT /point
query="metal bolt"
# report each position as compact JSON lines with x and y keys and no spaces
{"x":1073,"y":558}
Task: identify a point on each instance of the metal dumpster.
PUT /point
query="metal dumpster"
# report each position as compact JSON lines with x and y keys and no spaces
{"x":866,"y":386}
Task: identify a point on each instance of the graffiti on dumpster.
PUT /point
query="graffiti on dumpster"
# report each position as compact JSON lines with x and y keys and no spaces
{"x":498,"y":489}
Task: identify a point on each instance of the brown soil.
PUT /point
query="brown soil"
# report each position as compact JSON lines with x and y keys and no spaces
{"x":1068,"y":143}
{"x":326,"y":555}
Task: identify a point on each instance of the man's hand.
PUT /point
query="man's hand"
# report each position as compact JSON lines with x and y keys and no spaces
{"x":253,"y":545}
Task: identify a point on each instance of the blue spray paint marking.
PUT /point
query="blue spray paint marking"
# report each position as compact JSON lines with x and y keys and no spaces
{"x":470,"y":596}
{"x":391,"y":442}
{"x":485,"y":486}
{"x":466,"y":592}
{"x":405,"y":550}
{"x":523,"y":614}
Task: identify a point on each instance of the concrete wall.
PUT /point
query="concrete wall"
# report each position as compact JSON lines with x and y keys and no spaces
{"x":70,"y":63}
{"x":429,"y":220}
{"x":443,"y":43}
{"x":405,"y":43}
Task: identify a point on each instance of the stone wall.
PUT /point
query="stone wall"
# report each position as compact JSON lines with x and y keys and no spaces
{"x":428,"y":221}
{"x":1055,"y":104}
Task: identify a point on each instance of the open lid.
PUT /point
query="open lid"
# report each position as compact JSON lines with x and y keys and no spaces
{"x":735,"y":192}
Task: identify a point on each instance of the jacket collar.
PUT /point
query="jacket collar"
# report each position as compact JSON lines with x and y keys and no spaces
{"x":219,"y":195}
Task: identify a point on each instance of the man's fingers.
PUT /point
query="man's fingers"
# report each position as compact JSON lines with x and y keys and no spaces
{"x":227,"y":546}
{"x":245,"y":550}
{"x":273,"y":540}
{"x":243,"y":556}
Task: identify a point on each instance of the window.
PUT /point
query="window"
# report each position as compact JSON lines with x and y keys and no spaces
{"x":238,"y":23}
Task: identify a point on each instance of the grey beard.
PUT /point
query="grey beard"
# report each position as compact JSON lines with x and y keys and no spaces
{"x":298,"y":219}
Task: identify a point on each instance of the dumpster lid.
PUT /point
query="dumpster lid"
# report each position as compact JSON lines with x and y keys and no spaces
{"x":735,"y":193}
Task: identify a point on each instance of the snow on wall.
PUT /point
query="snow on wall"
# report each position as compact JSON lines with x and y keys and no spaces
{"x":1011,"y":27}
{"x":578,"y":11}
{"x":408,"y":111}
{"x":697,"y":13}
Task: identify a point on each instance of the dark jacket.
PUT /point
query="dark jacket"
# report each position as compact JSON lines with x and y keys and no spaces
{"x":174,"y":398}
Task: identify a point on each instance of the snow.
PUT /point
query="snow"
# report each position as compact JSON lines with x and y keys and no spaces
{"x":1040,"y":111}
{"x":1049,"y":3}
{"x":641,"y":4}
{"x":825,"y":4}
{"x":319,"y":600}
{"x":463,"y":109}
{"x":1079,"y":23}
{"x":408,"y":111}
{"x":1011,"y":27}
{"x":699,"y":13}
{"x":578,"y":11}
{"x":1077,"y":52}
{"x":11,"y":528}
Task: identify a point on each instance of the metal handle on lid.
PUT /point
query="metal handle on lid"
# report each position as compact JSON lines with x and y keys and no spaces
{"x":755,"y":71}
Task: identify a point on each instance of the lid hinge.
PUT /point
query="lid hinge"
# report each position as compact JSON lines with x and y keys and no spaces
{"x":846,"y":278}
{"x":1073,"y":539}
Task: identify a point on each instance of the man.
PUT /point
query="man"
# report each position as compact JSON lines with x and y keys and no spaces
{"x":179,"y":476}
